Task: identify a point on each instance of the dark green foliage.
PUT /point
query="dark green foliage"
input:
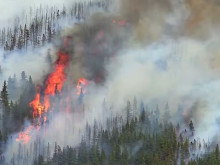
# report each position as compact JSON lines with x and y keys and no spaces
{"x":42,"y":27}
{"x":18,"y":109}
{"x":191,"y":126}
{"x":217,"y":152}
{"x":4,"y":96}
{"x":132,"y":143}
{"x":136,"y":142}
{"x":211,"y":158}
{"x":1,"y":137}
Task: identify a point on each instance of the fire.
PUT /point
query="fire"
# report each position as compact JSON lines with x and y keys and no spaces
{"x":82,"y":82}
{"x":24,"y":136}
{"x":56,"y":79}
{"x":41,"y":103}
{"x":53,"y":84}
{"x":119,"y":22}
{"x":45,"y":119}
{"x":36,"y":104}
{"x":46,"y":102}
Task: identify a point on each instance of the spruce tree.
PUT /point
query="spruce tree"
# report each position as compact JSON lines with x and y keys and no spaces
{"x":217,"y":152}
{"x":4,"y":96}
{"x":1,"y":137}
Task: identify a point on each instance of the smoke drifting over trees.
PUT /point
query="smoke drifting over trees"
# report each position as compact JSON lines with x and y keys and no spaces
{"x":127,"y":82}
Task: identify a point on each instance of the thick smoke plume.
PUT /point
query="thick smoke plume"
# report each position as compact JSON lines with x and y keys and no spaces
{"x":155,"y":51}
{"x":148,"y":22}
{"x":160,"y":58}
{"x":202,"y":23}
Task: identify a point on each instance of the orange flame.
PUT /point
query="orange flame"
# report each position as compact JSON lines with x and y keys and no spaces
{"x":36,"y":104}
{"x":24,"y":136}
{"x":56,"y":79}
{"x":82,"y":82}
{"x":120,"y":22}
{"x":46,"y":102}
{"x":53,"y":84}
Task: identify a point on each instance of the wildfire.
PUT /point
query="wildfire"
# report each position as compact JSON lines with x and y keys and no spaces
{"x":53,"y":84}
{"x":36,"y":104}
{"x":24,"y":136}
{"x":57,"y":77}
{"x":82,"y":82}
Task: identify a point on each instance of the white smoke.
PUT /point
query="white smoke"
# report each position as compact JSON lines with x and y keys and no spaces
{"x":33,"y":62}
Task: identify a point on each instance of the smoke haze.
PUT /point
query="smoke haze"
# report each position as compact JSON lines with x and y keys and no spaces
{"x":166,"y":52}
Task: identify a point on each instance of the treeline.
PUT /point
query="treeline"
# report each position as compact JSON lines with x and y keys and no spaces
{"x":13,"y":110}
{"x":126,"y":140}
{"x":134,"y":140}
{"x":43,"y":24}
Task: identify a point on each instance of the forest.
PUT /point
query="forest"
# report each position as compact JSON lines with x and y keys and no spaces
{"x":124,"y":86}
{"x":137,"y":140}
{"x":144,"y":139}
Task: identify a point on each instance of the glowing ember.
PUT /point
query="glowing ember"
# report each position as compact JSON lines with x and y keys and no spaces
{"x":119,"y":22}
{"x":24,"y":137}
{"x":122,"y":22}
{"x":45,"y":119}
{"x":81,"y":86}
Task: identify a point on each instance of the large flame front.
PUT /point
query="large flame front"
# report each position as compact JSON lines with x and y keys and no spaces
{"x":53,"y":84}
{"x":55,"y":81}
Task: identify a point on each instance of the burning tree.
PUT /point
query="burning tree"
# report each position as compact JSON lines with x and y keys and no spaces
{"x":54,"y":83}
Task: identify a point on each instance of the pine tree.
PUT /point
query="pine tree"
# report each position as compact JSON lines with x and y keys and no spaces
{"x":142,"y":116}
{"x":217,"y":152}
{"x":30,"y":80}
{"x":13,"y":42}
{"x":48,"y":153}
{"x":4,"y":96}
{"x":1,"y":137}
{"x":134,"y":107}
{"x":103,"y":156}
{"x":186,"y":148}
{"x":166,"y":116}
{"x":43,"y":39}
{"x":191,"y":127}
{"x":7,"y":47}
{"x":23,"y":76}
{"x":128,"y":111}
